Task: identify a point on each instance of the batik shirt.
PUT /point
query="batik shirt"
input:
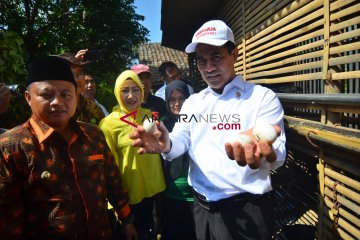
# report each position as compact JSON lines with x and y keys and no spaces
{"x":88,"y":111}
{"x":52,"y":189}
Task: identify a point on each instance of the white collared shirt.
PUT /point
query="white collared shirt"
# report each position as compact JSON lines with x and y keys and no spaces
{"x":237,"y":109}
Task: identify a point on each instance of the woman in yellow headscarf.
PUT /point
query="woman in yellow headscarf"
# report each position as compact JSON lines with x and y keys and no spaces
{"x":142,"y":175}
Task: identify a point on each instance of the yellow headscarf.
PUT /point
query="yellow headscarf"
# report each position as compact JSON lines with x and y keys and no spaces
{"x":120,"y":81}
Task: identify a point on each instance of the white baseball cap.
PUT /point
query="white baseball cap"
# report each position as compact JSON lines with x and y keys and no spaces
{"x":214,"y":32}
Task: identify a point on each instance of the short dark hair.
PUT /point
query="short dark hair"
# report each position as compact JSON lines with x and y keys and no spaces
{"x":92,"y":76}
{"x":230,"y":46}
{"x":166,"y":65}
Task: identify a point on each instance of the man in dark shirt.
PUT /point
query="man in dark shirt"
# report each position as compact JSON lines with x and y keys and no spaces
{"x":57,"y":174}
{"x":87,"y":110}
{"x":152,"y":102}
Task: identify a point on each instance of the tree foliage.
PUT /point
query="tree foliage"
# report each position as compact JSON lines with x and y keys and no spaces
{"x":48,"y":27}
{"x":55,"y":26}
{"x":12,"y":71}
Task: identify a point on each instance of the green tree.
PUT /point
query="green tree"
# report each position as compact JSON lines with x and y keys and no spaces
{"x":12,"y":71}
{"x":55,"y":26}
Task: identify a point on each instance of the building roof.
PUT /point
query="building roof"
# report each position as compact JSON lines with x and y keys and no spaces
{"x":153,"y":54}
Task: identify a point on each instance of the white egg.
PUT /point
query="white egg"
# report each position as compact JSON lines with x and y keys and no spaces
{"x":149,"y":126}
{"x":244,"y":139}
{"x":265,"y":132}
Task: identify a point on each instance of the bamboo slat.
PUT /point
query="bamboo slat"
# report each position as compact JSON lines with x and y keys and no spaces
{"x":342,"y":212}
{"x":254,"y":8}
{"x":312,"y":76}
{"x":345,"y":12}
{"x":328,"y":234}
{"x":343,"y":109}
{"x":286,"y":61}
{"x":340,"y":4}
{"x":231,"y":11}
{"x":292,"y":7}
{"x":345,"y":48}
{"x":344,"y":36}
{"x":286,"y":53}
{"x":289,"y":27}
{"x":286,"y":44}
{"x":294,"y":78}
{"x":326,"y":13}
{"x":250,"y":6}
{"x":344,"y":24}
{"x":329,"y":108}
{"x":344,"y":60}
{"x":345,"y":75}
{"x":343,"y":190}
{"x":343,"y":201}
{"x":325,"y":136}
{"x":285,"y":20}
{"x":270,"y":10}
{"x":289,"y":70}
{"x":257,"y":9}
{"x":236,"y":18}
{"x":288,"y":36}
{"x":342,"y":223}
{"x":344,"y":235}
{"x":342,"y":178}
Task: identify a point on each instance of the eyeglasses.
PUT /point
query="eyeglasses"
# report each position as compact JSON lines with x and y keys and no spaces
{"x":77,"y":75}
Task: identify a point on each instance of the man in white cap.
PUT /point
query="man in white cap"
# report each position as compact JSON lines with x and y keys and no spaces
{"x":231,"y":200}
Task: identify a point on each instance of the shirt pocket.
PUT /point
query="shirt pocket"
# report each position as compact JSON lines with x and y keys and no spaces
{"x":95,"y":159}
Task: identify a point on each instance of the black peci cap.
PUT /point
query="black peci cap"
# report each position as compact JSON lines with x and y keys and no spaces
{"x":49,"y":68}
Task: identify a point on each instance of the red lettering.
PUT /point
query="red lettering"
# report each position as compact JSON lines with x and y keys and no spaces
{"x":206,"y":31}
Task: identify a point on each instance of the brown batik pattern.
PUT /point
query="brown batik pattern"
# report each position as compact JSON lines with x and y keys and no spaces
{"x":51,"y":189}
{"x":88,"y":111}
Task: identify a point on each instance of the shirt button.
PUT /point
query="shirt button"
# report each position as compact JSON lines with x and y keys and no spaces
{"x":45,"y":175}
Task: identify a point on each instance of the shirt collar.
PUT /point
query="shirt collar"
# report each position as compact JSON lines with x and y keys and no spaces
{"x":43,"y":131}
{"x":237,"y":82}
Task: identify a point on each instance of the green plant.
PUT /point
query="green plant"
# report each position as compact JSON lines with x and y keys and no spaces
{"x":13,"y":71}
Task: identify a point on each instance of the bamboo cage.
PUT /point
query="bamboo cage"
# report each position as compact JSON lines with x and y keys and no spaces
{"x":307,"y":51}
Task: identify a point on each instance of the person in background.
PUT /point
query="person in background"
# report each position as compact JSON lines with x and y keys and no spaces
{"x":56,"y":174}
{"x":86,"y":109}
{"x":231,"y":181}
{"x":5,"y":96}
{"x":160,"y":112}
{"x":90,"y":91}
{"x":178,"y":197}
{"x":152,"y":102}
{"x":169,"y":72}
{"x":141,"y":174}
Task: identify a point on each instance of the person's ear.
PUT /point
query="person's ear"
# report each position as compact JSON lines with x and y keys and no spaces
{"x":235,"y":53}
{"x":27,"y":97}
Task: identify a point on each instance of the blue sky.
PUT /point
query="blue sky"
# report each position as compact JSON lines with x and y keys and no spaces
{"x":151,"y":10}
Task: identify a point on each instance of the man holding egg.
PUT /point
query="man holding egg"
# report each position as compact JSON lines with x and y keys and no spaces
{"x":230,"y":179}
